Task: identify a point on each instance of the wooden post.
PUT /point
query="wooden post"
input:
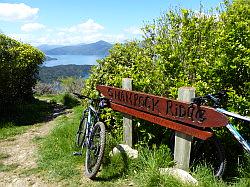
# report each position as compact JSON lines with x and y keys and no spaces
{"x":127,"y":119}
{"x":183,"y":142}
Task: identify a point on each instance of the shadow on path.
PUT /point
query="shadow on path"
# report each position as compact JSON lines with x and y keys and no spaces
{"x":30,"y":113}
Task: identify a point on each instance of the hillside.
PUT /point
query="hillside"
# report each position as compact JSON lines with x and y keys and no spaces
{"x":46,"y":47}
{"x":98,"y":48}
{"x":50,"y":74}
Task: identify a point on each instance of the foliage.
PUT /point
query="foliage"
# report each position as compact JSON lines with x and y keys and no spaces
{"x":44,"y":88}
{"x":69,"y":101}
{"x":55,"y":73}
{"x":57,"y":163}
{"x":25,"y":113}
{"x":16,"y":119}
{"x":71,"y":84}
{"x":18,"y":70}
{"x":64,"y":85}
{"x":209,"y":51}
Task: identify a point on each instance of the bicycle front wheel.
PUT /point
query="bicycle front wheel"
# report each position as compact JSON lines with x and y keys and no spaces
{"x":95,"y":150}
{"x":81,"y":133}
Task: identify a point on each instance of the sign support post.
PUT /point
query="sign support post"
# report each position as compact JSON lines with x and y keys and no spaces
{"x":183,"y":141}
{"x":127,"y":119}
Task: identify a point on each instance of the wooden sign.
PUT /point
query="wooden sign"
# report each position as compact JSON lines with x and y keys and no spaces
{"x":202,"y":134}
{"x":180,"y":112}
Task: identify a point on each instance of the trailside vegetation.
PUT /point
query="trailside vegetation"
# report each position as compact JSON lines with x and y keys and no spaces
{"x":18,"y":70}
{"x":52,"y":74}
{"x":206,"y":50}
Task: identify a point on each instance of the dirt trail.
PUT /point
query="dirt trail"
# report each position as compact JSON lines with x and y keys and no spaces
{"x":21,"y":153}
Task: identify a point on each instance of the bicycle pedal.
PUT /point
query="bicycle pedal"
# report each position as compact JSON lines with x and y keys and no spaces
{"x":77,"y":154}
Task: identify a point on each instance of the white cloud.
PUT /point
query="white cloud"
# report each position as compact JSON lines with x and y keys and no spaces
{"x":133,"y":30}
{"x":29,"y":27}
{"x":85,"y":32}
{"x":26,"y":38}
{"x":63,"y":38}
{"x":86,"y":27}
{"x":13,"y":12}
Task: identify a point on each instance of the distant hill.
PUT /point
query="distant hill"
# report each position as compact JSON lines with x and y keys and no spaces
{"x":98,"y":48}
{"x":48,"y":58}
{"x":50,"y":74}
{"x":46,"y":47}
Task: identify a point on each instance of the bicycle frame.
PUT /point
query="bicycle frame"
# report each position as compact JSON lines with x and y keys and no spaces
{"x":233,"y":130}
{"x":91,"y":111}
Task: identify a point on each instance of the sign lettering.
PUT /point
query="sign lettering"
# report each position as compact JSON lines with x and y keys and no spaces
{"x":183,"y":112}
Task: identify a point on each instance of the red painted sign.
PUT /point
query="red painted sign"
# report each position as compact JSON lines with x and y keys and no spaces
{"x":180,"y":112}
{"x":163,"y":122}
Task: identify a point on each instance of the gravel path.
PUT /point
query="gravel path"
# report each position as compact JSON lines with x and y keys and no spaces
{"x":21,"y":156}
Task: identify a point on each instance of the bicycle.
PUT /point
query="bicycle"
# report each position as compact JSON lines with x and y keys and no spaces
{"x":91,"y":134}
{"x":216,"y":155}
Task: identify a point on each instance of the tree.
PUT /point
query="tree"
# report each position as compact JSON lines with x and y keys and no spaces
{"x":209,"y":51}
{"x":18,"y":70}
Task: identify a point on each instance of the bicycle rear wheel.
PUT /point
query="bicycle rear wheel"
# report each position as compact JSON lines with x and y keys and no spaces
{"x":209,"y":153}
{"x":95,"y":150}
{"x":81,"y":133}
{"x":205,"y":152}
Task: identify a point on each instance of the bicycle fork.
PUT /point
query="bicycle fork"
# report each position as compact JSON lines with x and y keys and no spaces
{"x":237,"y":135}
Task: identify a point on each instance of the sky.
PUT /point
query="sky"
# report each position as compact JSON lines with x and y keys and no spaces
{"x":69,"y":22}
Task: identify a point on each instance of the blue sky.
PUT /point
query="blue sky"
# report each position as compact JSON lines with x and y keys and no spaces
{"x":68,"y":22}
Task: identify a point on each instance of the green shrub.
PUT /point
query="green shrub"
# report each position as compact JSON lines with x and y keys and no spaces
{"x":69,"y":101}
{"x":72,"y":84}
{"x":18,"y":70}
{"x":46,"y":88}
{"x":209,"y":51}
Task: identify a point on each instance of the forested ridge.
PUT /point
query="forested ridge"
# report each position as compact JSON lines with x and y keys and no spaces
{"x":50,"y":74}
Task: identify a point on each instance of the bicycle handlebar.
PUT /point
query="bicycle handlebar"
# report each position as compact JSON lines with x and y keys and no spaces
{"x":215,"y":98}
{"x":81,"y":96}
{"x":103,"y":101}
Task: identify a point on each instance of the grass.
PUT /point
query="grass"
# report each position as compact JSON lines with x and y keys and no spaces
{"x":17,"y":119}
{"x":6,"y":168}
{"x":57,"y":163}
{"x":10,"y":131}
{"x":4,"y":155}
{"x":56,"y":150}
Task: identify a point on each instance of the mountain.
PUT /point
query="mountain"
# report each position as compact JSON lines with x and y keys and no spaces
{"x":98,"y":48}
{"x":48,"y":58}
{"x":46,"y":47}
{"x":50,"y":74}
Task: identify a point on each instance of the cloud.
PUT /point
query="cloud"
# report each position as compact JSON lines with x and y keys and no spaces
{"x":26,"y":38}
{"x":29,"y":27}
{"x":84,"y":32}
{"x":64,"y":38}
{"x":14,"y":12}
{"x":86,"y":27}
{"x":133,"y":30}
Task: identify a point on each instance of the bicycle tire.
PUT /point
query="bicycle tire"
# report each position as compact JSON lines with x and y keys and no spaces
{"x":81,"y":133}
{"x":208,"y":152}
{"x":95,"y":150}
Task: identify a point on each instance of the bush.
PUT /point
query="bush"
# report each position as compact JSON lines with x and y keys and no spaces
{"x":45,"y":88}
{"x":69,"y":101}
{"x":18,"y":70}
{"x":72,"y":84}
{"x":209,"y":51}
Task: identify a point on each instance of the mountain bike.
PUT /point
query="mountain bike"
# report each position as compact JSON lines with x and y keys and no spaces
{"x":211,"y":151}
{"x":91,"y":134}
